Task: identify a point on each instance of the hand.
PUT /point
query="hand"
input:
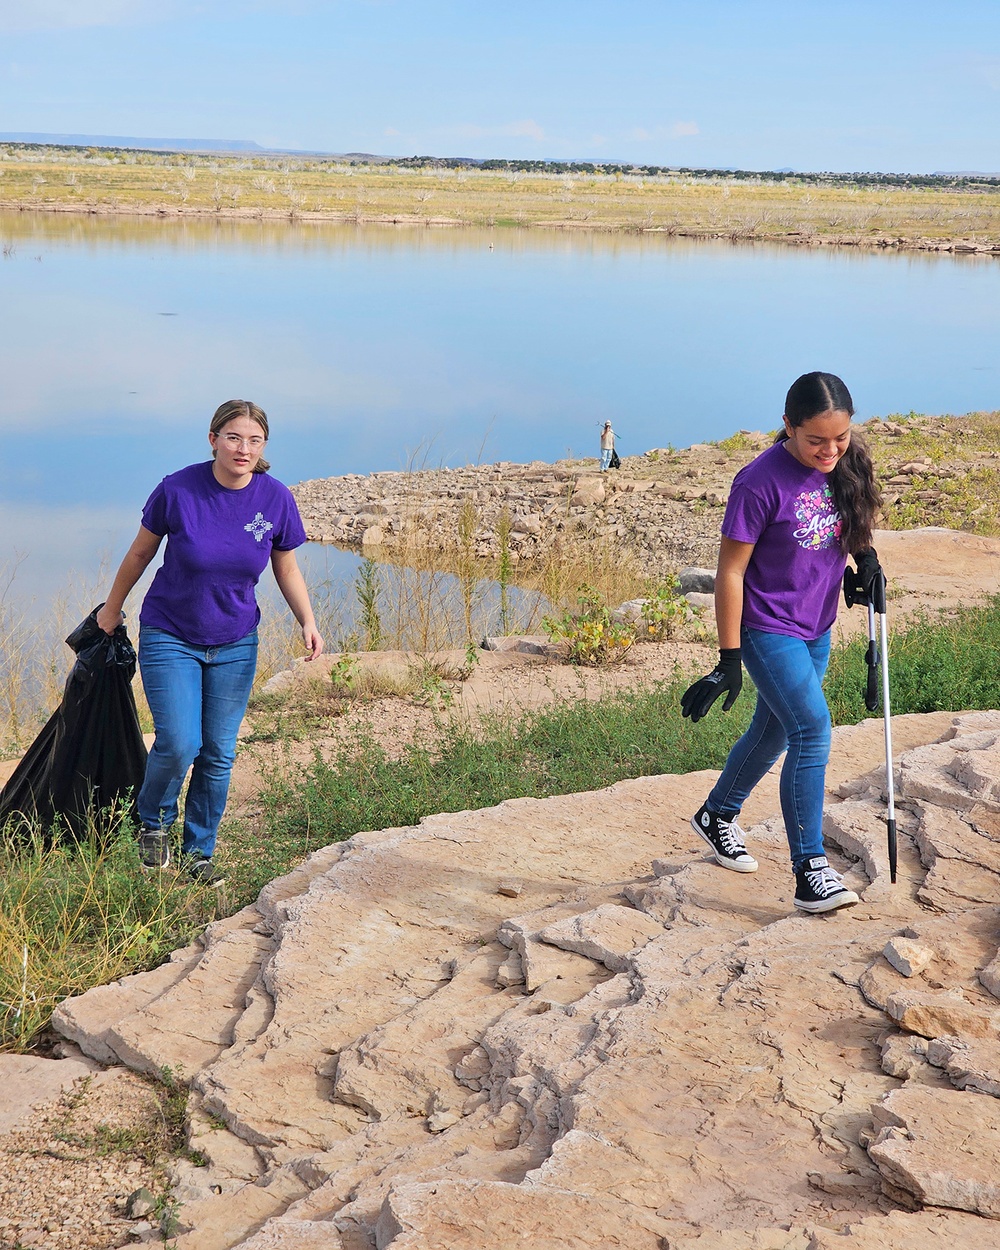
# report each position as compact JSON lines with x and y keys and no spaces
{"x":871,"y":578}
{"x":313,"y":641}
{"x":726,"y":678}
{"x":109,"y":621}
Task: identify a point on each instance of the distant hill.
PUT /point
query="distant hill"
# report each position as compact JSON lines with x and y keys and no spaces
{"x":129,"y":141}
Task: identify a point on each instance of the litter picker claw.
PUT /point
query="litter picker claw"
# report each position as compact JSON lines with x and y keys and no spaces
{"x":876,"y":659}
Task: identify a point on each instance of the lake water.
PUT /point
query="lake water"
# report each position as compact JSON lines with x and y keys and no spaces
{"x":378,"y":348}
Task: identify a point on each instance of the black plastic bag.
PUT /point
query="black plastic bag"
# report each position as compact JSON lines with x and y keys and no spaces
{"x":90,"y":757}
{"x":616,"y":460}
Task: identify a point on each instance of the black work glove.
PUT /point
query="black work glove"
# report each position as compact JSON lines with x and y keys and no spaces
{"x":870,"y":579}
{"x":726,"y":678}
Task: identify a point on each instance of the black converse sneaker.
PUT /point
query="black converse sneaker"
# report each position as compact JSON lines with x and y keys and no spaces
{"x":819,"y":888}
{"x":154,"y":848}
{"x":725,"y":837}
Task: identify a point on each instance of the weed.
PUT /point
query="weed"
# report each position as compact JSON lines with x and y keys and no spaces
{"x":503,"y":529}
{"x":737,"y":442}
{"x":368,"y":586}
{"x":467,"y":563}
{"x":593,"y":635}
{"x":344,"y":674}
{"x":663,"y":611}
{"x":432,"y":687}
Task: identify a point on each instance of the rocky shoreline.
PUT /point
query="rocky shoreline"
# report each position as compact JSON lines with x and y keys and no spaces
{"x":744,"y":234}
{"x":665,"y":507}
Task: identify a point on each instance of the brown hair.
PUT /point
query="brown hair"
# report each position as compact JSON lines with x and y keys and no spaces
{"x":852,"y":482}
{"x":232,"y":409}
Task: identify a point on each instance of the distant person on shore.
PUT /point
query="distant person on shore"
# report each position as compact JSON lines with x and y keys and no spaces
{"x":224,"y":519}
{"x":607,"y":447}
{"x":794,"y":515}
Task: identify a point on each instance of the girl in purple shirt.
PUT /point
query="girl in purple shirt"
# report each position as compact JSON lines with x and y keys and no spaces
{"x":794,"y":515}
{"x":224,"y":521}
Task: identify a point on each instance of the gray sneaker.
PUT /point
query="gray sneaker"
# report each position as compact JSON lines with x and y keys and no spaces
{"x":154,"y":848}
{"x":205,"y":872}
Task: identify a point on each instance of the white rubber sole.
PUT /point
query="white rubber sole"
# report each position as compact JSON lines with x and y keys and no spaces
{"x":847,"y":899}
{"x":734,"y":865}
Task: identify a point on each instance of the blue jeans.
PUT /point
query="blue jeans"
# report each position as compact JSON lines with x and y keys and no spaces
{"x":791,"y":713}
{"x":198,"y":696}
{"x":606,"y":459}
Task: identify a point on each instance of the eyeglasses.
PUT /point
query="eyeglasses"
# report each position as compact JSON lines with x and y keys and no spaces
{"x":235,"y":443}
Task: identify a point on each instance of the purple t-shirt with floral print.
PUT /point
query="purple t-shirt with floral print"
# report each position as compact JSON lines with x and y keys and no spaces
{"x":792,"y":583}
{"x":219,"y":541}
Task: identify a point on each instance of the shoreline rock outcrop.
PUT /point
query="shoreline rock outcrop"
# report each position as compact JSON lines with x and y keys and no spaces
{"x":532,"y":510}
{"x":663,"y":509}
{"x":406,"y":1054}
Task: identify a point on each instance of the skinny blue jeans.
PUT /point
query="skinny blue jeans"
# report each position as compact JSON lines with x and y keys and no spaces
{"x":198,"y":697}
{"x":791,"y":714}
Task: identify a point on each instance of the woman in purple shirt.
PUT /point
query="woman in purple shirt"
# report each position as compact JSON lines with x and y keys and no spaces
{"x":794,"y":515}
{"x":224,"y":520}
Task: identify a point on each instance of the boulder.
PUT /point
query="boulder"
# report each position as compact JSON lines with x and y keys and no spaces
{"x":699,"y":581}
{"x":941,"y":1147}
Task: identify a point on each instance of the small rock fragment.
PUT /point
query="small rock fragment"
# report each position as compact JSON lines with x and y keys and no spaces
{"x":509,"y":887}
{"x":139,"y":1204}
{"x":510,"y":972}
{"x":903,"y":1055}
{"x":907,"y":956}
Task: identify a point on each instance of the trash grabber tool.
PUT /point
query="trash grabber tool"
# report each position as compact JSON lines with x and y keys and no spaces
{"x":876,"y":657}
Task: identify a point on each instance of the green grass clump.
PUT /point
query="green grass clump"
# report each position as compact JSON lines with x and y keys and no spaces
{"x":77,"y":915}
{"x":938,"y":663}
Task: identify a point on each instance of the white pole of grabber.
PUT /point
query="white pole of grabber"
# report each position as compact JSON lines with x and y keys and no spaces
{"x":889,"y":784}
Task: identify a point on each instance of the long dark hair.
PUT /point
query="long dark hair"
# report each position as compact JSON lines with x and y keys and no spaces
{"x":234,"y":408}
{"x":852,"y":482}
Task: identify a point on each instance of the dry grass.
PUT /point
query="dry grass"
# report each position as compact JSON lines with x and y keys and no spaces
{"x":75,"y":915}
{"x":284,"y":187}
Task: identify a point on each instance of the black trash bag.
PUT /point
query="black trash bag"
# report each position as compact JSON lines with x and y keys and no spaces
{"x":90,"y":758}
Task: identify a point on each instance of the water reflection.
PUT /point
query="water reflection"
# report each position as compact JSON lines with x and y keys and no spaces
{"x":374,"y":347}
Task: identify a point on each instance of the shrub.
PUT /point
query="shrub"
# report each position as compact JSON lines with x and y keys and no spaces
{"x":591,"y":632}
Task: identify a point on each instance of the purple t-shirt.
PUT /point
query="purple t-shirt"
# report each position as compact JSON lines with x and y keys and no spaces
{"x":219,"y":541}
{"x":792,"y":583}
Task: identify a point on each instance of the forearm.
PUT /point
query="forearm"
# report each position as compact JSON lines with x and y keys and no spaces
{"x":129,"y":572}
{"x":729,"y":607}
{"x":292,"y":585}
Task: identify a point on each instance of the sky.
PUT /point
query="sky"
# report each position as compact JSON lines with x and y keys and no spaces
{"x":848,"y":85}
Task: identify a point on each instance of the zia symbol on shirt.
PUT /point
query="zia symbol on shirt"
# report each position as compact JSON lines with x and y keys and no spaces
{"x":258,"y":526}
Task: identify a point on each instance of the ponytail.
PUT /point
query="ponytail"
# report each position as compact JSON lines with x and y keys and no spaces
{"x":856,"y":494}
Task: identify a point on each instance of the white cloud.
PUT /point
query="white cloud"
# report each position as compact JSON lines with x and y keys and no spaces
{"x":391,"y":131}
{"x":16,"y":15}
{"x":679,"y":130}
{"x":512,"y":130}
{"x":23,"y":16}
